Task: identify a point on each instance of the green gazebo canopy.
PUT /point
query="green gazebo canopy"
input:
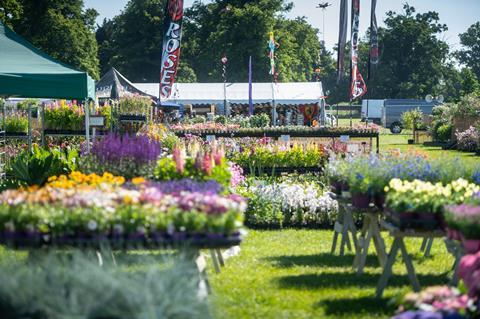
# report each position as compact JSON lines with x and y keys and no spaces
{"x":28,"y":72}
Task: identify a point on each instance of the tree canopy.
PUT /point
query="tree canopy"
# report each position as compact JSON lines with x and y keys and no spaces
{"x":470,"y":54}
{"x":61,"y":28}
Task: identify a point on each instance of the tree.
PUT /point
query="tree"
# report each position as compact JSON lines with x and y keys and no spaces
{"x":235,"y":28}
{"x":132,"y":41}
{"x":10,"y":10}
{"x":412,"y":58}
{"x":62,"y":29}
{"x":470,"y":55}
{"x":469,"y":82}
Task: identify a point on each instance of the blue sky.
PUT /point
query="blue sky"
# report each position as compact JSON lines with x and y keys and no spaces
{"x":457,"y":14}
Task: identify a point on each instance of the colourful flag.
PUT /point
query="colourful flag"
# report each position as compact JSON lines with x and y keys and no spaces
{"x":342,"y":39}
{"x":374,"y":53}
{"x":172,"y":37}
{"x":272,"y":45}
{"x":358,"y":87}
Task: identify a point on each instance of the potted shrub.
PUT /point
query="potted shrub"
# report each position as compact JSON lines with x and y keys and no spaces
{"x":465,"y":219}
{"x":360,"y":189}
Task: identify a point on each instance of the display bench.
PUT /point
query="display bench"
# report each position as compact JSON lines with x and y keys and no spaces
{"x":398,"y":245}
{"x":284,"y":135}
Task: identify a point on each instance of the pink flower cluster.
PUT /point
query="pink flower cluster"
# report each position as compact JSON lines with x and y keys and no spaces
{"x":469,"y":271}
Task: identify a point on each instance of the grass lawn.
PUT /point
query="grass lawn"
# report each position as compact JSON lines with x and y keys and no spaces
{"x":291,"y":274}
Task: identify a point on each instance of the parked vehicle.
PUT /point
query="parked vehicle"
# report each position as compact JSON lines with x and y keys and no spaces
{"x":372,"y":110}
{"x":393,"y":109}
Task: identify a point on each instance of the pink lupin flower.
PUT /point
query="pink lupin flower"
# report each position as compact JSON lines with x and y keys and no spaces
{"x":198,"y":161}
{"x":179,"y":160}
{"x":218,"y":156}
{"x":207,"y":164}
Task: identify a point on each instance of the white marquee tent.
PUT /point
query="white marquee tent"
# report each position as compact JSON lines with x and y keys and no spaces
{"x":215,"y":93}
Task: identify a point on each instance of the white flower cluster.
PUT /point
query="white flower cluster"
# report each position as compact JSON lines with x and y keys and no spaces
{"x":294,"y":198}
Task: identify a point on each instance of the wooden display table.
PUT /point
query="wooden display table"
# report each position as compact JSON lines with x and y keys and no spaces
{"x":370,"y":230}
{"x":399,"y":245}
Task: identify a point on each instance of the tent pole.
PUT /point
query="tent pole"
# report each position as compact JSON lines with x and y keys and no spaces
{"x":29,"y":137}
{"x":42,"y":121}
{"x":87,"y":124}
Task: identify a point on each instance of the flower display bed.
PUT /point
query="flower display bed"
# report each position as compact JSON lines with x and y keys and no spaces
{"x":272,"y":171}
{"x":84,"y":210}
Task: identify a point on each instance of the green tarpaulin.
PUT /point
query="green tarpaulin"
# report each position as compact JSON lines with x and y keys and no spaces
{"x":27,"y":72}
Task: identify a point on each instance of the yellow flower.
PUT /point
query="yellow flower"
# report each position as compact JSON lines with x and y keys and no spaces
{"x":138,"y":180}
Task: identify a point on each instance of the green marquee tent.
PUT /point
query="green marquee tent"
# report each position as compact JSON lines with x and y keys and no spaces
{"x":28,"y":72}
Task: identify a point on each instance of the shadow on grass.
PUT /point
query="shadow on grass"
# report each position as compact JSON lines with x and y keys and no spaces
{"x":344,"y":280}
{"x":324,"y":259}
{"x":370,"y":305}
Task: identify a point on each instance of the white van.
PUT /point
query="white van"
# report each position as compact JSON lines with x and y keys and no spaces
{"x":375,"y":110}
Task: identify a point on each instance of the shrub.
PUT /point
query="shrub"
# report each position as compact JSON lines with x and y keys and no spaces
{"x":74,"y":285}
{"x":63,"y":116}
{"x":135,"y":105}
{"x":412,"y":119}
{"x":468,"y":140}
{"x":16,"y":124}
{"x":36,"y":167}
{"x":260,"y":120}
{"x":444,"y":132}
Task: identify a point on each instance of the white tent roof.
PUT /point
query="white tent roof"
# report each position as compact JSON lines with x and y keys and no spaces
{"x":214,"y":93}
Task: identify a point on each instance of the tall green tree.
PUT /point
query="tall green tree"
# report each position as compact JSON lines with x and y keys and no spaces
{"x":470,"y":54}
{"x":10,"y":10}
{"x":413,"y":58}
{"x":63,"y":29}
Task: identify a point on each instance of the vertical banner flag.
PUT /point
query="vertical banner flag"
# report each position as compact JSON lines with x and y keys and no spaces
{"x":172,"y":37}
{"x":272,"y":46}
{"x":358,"y":86}
{"x":250,"y":88}
{"x":342,"y":39}
{"x":374,"y":53}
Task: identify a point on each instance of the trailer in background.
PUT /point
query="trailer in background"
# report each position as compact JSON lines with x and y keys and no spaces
{"x":393,"y":109}
{"x":372,"y":110}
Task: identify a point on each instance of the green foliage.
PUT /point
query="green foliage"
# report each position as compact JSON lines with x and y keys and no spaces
{"x":260,"y":120}
{"x":263,"y":157}
{"x":135,"y":105}
{"x":10,"y":11}
{"x":470,"y":53}
{"x":167,"y":170}
{"x":468,"y":106}
{"x":23,"y":105}
{"x":63,"y":29}
{"x":221,"y":119}
{"x":444,"y":132}
{"x":119,"y":43}
{"x":73,"y":285}
{"x":35,"y":168}
{"x":412,"y":120}
{"x":64,"y":117}
{"x":16,"y":124}
{"x":211,"y":30}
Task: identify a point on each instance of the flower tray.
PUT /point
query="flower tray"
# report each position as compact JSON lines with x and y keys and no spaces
{"x":64,"y":132}
{"x":15,"y":134}
{"x":272,"y":171}
{"x":277,"y":133}
{"x":132,"y":118}
{"x":32,"y":241}
{"x":417,"y":221}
